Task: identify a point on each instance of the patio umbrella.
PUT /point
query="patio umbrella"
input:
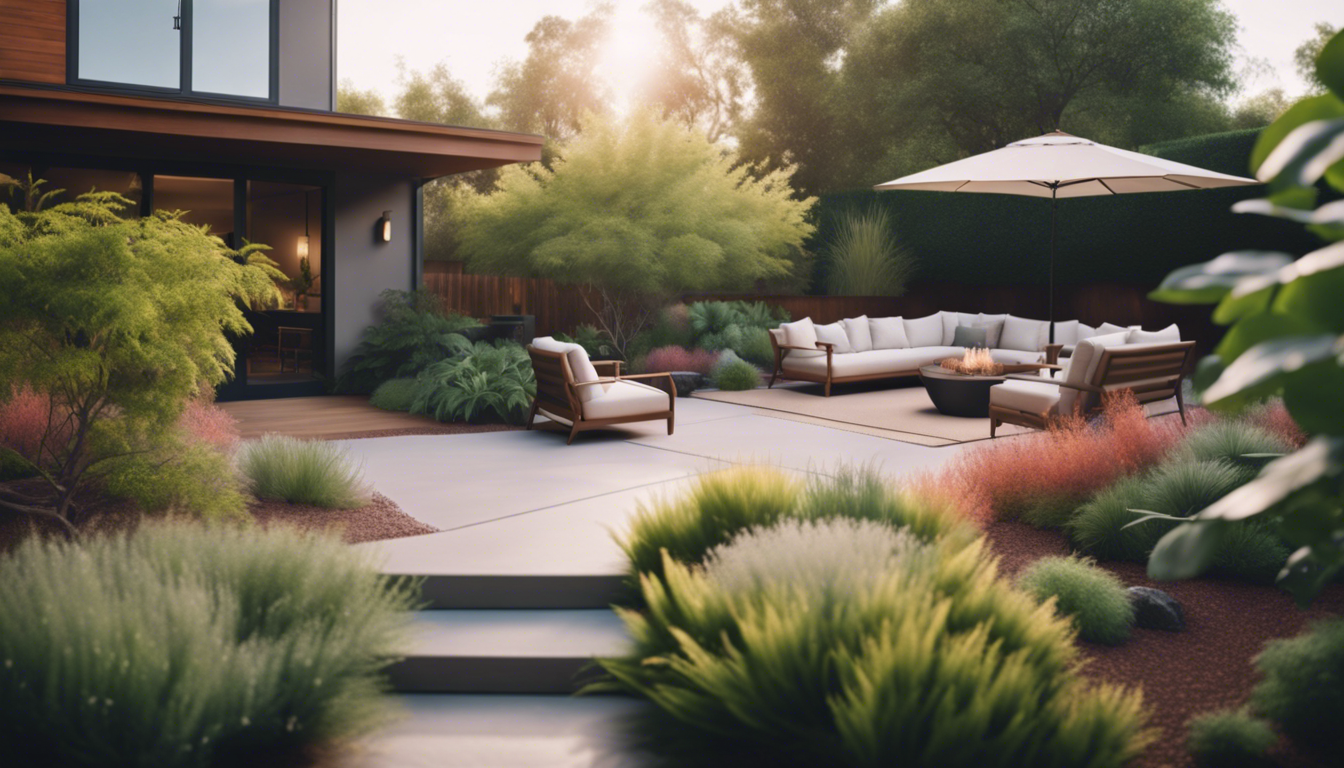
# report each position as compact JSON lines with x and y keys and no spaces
{"x":1060,"y":165}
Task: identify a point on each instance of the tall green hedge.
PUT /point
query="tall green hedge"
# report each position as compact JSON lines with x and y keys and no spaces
{"x":1005,"y":239}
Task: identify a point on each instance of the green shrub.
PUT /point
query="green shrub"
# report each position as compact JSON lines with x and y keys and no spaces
{"x":1050,"y":512}
{"x":1250,"y":552}
{"x":865,"y":258}
{"x":853,"y":648}
{"x":1099,"y":526}
{"x":312,"y":472}
{"x":736,"y":375}
{"x":595,"y":342}
{"x":482,"y":382}
{"x":395,"y":395}
{"x":191,"y":645}
{"x":1183,"y":488}
{"x":180,"y":476}
{"x":721,"y":505}
{"x":413,"y":332}
{"x":1231,"y":440}
{"x":1230,"y":739}
{"x":670,"y":327}
{"x":1303,"y":687}
{"x":1094,"y":599}
{"x":738,"y":326}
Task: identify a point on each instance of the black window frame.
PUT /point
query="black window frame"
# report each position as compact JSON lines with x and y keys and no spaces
{"x":184,"y":89}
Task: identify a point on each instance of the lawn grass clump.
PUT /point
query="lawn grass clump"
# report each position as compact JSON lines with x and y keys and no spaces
{"x":191,"y":645}
{"x":1230,"y":739}
{"x":840,"y":640}
{"x":1094,"y":599}
{"x":394,"y":395}
{"x":313,"y":472}
{"x":1303,"y":686}
{"x":1233,"y":441}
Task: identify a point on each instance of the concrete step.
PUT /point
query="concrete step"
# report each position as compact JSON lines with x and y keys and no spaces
{"x":517,"y":591}
{"x":507,"y":651}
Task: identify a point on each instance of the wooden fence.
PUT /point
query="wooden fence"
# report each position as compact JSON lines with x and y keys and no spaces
{"x":556,"y":307}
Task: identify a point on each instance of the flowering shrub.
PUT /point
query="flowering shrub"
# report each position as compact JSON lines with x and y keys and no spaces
{"x":23,"y":422}
{"x":207,"y":423}
{"x":1274,"y":418}
{"x":680,"y":359}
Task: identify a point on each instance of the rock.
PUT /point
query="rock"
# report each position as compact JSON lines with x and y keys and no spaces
{"x":687,"y":382}
{"x":1155,"y":609}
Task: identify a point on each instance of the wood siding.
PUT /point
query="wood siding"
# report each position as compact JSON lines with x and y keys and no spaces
{"x":32,"y":41}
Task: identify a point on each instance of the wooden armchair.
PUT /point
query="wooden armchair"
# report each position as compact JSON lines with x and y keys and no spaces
{"x":597,"y":402}
{"x":1153,"y":372}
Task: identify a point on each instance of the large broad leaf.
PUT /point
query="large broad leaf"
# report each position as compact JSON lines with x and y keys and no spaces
{"x":1209,"y":282}
{"x":1258,"y":329}
{"x":1313,"y":288}
{"x":1308,"y":571}
{"x":1326,"y":107}
{"x":1186,"y":550}
{"x":1320,"y":459}
{"x":1260,"y":370}
{"x":1313,"y":397}
{"x":1330,"y":65}
{"x":1304,"y":155}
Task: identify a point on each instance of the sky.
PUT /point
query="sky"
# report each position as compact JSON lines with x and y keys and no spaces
{"x":473,"y":36}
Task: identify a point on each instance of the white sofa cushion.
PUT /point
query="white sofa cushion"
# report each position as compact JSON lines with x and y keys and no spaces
{"x":924,"y":331}
{"x":888,"y":333}
{"x":1015,"y":356}
{"x":1082,"y":366}
{"x":1109,"y":328}
{"x":950,"y":322}
{"x":993,"y":327}
{"x":579,"y":364}
{"x":834,"y":333}
{"x":626,"y":398}
{"x":876,"y":362}
{"x":1167,"y":335}
{"x":802,"y":333}
{"x":860,"y":336}
{"x":1066,"y":332}
{"x":1026,"y":396}
{"x":1024,"y":334}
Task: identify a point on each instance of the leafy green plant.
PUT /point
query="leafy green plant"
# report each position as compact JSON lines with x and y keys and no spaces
{"x":595,"y":342}
{"x":836,"y":643}
{"x":192,"y":645}
{"x":1230,"y":738}
{"x":412,"y":333}
{"x":1286,"y":337}
{"x":118,"y":323}
{"x":866,"y":258}
{"x":1092,"y":598}
{"x":1182,"y":488}
{"x":314,"y":472}
{"x":1102,"y":526}
{"x":1233,"y":441}
{"x":481,"y":382}
{"x":1303,"y":686}
{"x":735,"y":375}
{"x":395,"y":394}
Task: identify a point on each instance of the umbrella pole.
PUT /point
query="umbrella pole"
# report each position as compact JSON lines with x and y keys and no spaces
{"x":1054,"y":190}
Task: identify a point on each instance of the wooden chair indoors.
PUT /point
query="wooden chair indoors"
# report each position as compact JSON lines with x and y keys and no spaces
{"x":1153,"y":372}
{"x":570,"y":391}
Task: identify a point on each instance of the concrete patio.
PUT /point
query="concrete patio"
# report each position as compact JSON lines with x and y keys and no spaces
{"x":519,"y":579}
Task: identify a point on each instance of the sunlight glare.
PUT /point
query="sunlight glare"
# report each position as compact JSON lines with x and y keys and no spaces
{"x":630,"y":54}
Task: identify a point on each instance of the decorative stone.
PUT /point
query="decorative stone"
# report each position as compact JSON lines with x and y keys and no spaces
{"x":1155,"y":609}
{"x":687,"y":382}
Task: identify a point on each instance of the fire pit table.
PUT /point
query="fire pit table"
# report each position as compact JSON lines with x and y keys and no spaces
{"x":966,"y":394}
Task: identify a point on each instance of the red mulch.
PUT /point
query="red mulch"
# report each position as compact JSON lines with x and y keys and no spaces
{"x":380,"y":519}
{"x":1206,"y":667}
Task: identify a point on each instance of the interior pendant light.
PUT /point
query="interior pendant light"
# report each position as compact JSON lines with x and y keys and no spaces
{"x":302,"y":248}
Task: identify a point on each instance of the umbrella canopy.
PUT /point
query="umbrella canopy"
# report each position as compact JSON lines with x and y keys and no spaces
{"x":1060,"y":165}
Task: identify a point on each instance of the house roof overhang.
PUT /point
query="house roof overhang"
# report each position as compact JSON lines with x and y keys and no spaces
{"x":79,"y":122}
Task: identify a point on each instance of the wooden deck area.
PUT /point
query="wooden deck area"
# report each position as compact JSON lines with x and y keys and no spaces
{"x":334,"y":416}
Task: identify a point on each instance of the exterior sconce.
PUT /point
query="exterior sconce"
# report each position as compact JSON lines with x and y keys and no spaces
{"x":302,"y":248}
{"x":385,"y":227}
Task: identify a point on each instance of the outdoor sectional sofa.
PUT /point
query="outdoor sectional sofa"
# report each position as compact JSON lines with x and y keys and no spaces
{"x":866,"y":349}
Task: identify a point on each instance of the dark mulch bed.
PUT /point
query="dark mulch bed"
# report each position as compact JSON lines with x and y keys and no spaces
{"x":1206,"y":667}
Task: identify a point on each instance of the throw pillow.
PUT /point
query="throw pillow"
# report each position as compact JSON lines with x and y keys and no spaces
{"x":993,"y":326}
{"x":1167,"y":335}
{"x":950,"y":322}
{"x":1110,"y":328}
{"x":1024,"y":334}
{"x":888,"y":333}
{"x":860,"y":337}
{"x":967,"y":336}
{"x":924,"y":331}
{"x":801,"y":333}
{"x":834,"y":333}
{"x":579,"y":365}
{"x":1066,"y":332}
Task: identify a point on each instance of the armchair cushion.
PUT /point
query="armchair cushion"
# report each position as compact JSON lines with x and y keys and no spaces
{"x":1024,"y":334}
{"x":950,"y":322}
{"x":860,"y":336}
{"x":924,"y":331}
{"x":801,"y":333}
{"x":1167,"y":335}
{"x":1082,"y":366}
{"x":625,"y":398}
{"x":888,"y":333}
{"x":1028,"y":396}
{"x":579,"y":364}
{"x":834,"y":333}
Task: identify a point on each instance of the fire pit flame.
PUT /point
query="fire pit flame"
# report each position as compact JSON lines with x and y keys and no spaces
{"x":976,"y":362}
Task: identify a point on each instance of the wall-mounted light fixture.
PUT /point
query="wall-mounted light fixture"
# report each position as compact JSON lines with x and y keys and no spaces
{"x":385,"y":227}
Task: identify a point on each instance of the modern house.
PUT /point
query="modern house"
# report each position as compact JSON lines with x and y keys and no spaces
{"x":225,"y":109}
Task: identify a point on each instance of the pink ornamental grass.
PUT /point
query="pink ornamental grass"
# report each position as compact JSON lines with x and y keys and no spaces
{"x":207,"y":423}
{"x":24,"y":421}
{"x":675,"y":358}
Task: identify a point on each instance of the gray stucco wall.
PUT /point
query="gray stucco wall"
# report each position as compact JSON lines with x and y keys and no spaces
{"x":306,"y":56}
{"x":363,"y":267}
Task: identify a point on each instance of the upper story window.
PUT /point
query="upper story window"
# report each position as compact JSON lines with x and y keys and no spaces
{"x":221,"y":48}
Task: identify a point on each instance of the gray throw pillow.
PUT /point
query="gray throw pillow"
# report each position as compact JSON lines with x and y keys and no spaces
{"x":967,"y":336}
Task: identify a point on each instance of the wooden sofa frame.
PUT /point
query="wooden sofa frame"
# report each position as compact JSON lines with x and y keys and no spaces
{"x":1152,"y":372}
{"x":558,"y":393}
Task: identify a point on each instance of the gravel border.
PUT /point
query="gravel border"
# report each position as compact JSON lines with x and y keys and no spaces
{"x":379,"y":520}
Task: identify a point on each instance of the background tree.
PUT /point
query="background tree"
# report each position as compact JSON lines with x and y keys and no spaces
{"x":1304,"y":58}
{"x":1261,"y":109}
{"x":700,"y":78}
{"x":636,"y":211}
{"x":352,"y":101}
